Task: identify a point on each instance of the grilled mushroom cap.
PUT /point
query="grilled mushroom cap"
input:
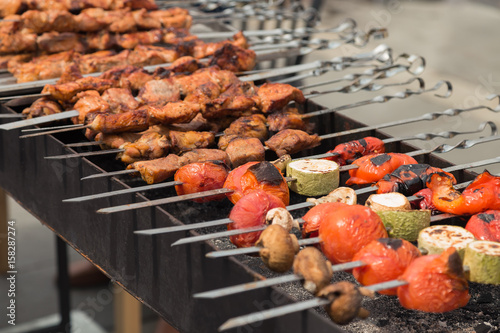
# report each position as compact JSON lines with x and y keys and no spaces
{"x":278,"y":248}
{"x":345,"y":300}
{"x":314,"y":268}
{"x":282,"y":217}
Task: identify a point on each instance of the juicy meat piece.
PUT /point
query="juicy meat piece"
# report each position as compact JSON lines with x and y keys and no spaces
{"x":127,"y":77}
{"x":17,"y":42}
{"x":116,"y":140}
{"x":204,"y":95}
{"x":190,"y":83}
{"x":137,"y":121}
{"x":436,"y":283}
{"x":102,"y":61}
{"x":89,"y":102}
{"x":85,"y":22}
{"x":42,"y":107}
{"x":197,"y":124}
{"x":203,"y":50}
{"x":257,"y":175}
{"x":120,"y":100}
{"x":179,"y":36}
{"x":55,"y":42}
{"x":275,"y":96}
{"x":371,"y":168}
{"x":238,"y":98}
{"x":51,"y":20}
{"x":149,"y":146}
{"x":144,"y":20}
{"x":234,"y":58}
{"x":253,"y":126}
{"x":291,"y":141}
{"x":155,"y":171}
{"x":170,"y":19}
{"x":119,"y":21}
{"x":159,"y":92}
{"x":199,"y":177}
{"x":185,"y":141}
{"x":174,"y":112}
{"x":131,"y":40}
{"x":70,"y":74}
{"x":185,"y":64}
{"x":250,"y":212}
{"x":144,"y":55}
{"x":289,"y":118}
{"x":242,"y":150}
{"x":10,"y":7}
{"x":14,"y":58}
{"x":67,"y":92}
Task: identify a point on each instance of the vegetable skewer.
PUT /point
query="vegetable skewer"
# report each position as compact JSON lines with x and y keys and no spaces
{"x":296,"y":206}
{"x":420,"y":136}
{"x":176,"y":199}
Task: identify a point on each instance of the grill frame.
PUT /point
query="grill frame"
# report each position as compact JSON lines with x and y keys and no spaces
{"x":161,"y":277}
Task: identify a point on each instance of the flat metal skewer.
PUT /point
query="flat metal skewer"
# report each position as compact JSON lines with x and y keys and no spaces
{"x":68,"y":129}
{"x":84,"y":144}
{"x":42,"y":129}
{"x":39,"y":120}
{"x":296,"y":307}
{"x":240,"y":288}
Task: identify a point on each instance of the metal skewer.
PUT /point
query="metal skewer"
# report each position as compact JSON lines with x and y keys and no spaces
{"x":12,"y":115}
{"x":296,"y":307}
{"x":350,"y":88}
{"x":377,"y":99}
{"x":420,"y":136}
{"x":226,"y":221}
{"x":269,"y":282}
{"x":381,"y":53}
{"x":66,"y":129}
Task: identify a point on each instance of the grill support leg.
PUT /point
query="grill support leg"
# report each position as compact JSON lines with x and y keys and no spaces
{"x":64,"y":325}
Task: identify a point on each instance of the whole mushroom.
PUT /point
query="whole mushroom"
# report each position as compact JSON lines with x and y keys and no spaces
{"x":345,"y":300}
{"x":278,"y":248}
{"x":314,"y":268}
{"x":282,"y":217}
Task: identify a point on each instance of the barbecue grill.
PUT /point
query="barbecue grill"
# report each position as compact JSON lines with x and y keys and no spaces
{"x":164,"y":277}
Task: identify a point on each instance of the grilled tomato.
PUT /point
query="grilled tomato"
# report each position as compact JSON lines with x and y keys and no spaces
{"x":386,"y":259}
{"x":436,"y":283}
{"x":257,"y":175}
{"x":249,"y":212}
{"x":347,"y":229}
{"x":198,"y":177}
{"x":485,"y":226}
